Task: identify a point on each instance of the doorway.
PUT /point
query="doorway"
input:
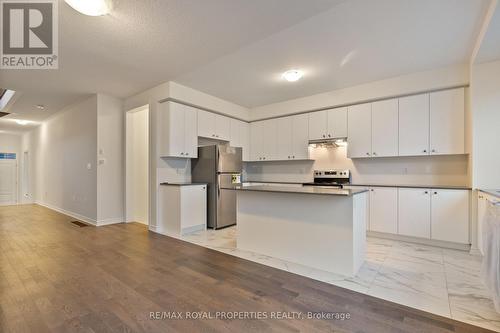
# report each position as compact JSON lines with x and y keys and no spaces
{"x":137,"y":165}
{"x":8,"y":179}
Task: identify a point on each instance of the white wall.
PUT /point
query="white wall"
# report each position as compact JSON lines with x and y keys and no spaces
{"x":435,"y":170}
{"x":485,"y":100}
{"x":396,"y":86}
{"x":12,"y":143}
{"x":111,"y":161}
{"x":60,"y":149}
{"x":137,"y":165}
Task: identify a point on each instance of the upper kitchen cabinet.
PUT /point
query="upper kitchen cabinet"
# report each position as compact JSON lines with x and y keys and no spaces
{"x":263,"y":143}
{"x":240,"y":137}
{"x":177,"y":128}
{"x":292,"y":138}
{"x":447,"y":122}
{"x":214,"y":126}
{"x":414,"y":125}
{"x":328,"y":124}
{"x":359,"y":133}
{"x":385,"y":128}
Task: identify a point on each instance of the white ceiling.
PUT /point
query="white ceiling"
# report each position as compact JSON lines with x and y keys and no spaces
{"x":236,"y":49}
{"x":490,"y":45}
{"x":355,"y":42}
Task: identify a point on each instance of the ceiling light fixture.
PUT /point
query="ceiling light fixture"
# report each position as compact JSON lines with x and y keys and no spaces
{"x":40,"y":107}
{"x":22,"y":122}
{"x":292,"y":75}
{"x":91,"y":7}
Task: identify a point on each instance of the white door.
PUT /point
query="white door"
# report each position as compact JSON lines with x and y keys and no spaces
{"x":206,"y":124}
{"x":8,"y":181}
{"x":222,"y":127}
{"x":414,"y":125}
{"x":359,"y":136}
{"x":284,"y":149}
{"x":318,"y":122}
{"x":300,"y":135}
{"x":384,"y":209}
{"x":191,"y":132}
{"x":447,"y":114}
{"x":385,"y":128}
{"x":450,"y":215}
{"x":337,"y":123}
{"x":414,"y":211}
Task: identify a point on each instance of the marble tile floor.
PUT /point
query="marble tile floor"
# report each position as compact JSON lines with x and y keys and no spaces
{"x":441,"y":281}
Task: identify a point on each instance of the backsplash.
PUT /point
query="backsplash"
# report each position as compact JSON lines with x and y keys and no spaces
{"x":432,"y":170}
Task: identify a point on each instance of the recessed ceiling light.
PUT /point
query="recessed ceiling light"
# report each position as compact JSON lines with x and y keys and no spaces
{"x":292,"y":75}
{"x":40,"y":107}
{"x":22,"y":122}
{"x":91,"y":7}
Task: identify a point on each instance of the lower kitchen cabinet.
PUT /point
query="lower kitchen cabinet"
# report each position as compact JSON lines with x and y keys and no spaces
{"x":384,"y":209}
{"x":450,"y":216}
{"x":414,"y":212}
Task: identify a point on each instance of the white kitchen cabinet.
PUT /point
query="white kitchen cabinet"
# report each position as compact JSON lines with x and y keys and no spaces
{"x":318,"y":125}
{"x":263,"y":145}
{"x":177,"y":127}
{"x":359,"y":133}
{"x":384,"y":209}
{"x":214,"y":126}
{"x":240,"y":137}
{"x":328,"y":124}
{"x":450,"y":215}
{"x":183,"y":209}
{"x":284,"y":144}
{"x":300,"y":135}
{"x":414,"y":212}
{"x":385,"y":128}
{"x":414,"y":125}
{"x":447,"y":122}
{"x":256,"y":140}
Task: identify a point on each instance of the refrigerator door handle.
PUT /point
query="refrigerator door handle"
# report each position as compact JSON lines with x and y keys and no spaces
{"x":218,"y":191}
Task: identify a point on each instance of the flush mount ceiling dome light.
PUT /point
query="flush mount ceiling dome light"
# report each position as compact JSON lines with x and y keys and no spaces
{"x":91,"y":7}
{"x":22,"y":122}
{"x":292,"y":75}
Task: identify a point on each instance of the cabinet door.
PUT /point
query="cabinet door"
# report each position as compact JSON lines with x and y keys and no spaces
{"x":450,"y":215}
{"x":206,"y":124}
{"x":222,"y":127}
{"x":300,"y":137}
{"x":171,"y":129}
{"x":384,"y":209}
{"x":284,"y":149}
{"x":447,"y":114}
{"x":190,"y":132}
{"x":359,"y":133}
{"x":235,"y":139}
{"x":414,"y":125}
{"x":256,"y":140}
{"x":245,"y":140}
{"x":414,"y":212}
{"x":385,"y":128}
{"x":337,"y":123}
{"x":269,"y":144}
{"x":482,"y":206}
{"x":318,"y":125}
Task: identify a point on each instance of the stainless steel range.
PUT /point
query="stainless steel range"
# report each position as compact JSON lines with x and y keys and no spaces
{"x":331,"y":178}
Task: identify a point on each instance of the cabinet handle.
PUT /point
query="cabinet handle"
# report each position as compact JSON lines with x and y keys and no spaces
{"x":182,"y":153}
{"x":374,"y":154}
{"x":480,"y":197}
{"x":435,"y":193}
{"x":434,"y":150}
{"x":426,"y":192}
{"x":329,"y":136}
{"x":368,"y":154}
{"x":293,"y":156}
{"x":425,"y":150}
{"x":371,"y":190}
{"x":263,"y":158}
{"x":187,"y":154}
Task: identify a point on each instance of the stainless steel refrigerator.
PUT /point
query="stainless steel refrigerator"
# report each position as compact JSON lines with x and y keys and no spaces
{"x":219,"y":166}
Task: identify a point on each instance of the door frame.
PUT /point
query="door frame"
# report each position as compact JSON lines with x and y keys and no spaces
{"x":128,"y":213}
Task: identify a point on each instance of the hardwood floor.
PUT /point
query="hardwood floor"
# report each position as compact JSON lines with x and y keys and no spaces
{"x":58,"y":277}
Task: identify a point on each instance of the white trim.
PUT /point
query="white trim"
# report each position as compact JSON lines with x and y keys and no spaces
{"x":113,"y":220}
{"x":431,"y":242}
{"x":68,"y":213}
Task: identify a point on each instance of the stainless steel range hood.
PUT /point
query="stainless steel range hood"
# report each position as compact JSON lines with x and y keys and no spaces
{"x":329,"y":143}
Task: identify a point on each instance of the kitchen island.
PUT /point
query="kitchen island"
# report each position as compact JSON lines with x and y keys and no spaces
{"x":323,"y":228}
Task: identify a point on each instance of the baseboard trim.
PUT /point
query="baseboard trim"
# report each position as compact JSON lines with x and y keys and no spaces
{"x":113,"y":220}
{"x":68,"y":213}
{"x":423,"y":241}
